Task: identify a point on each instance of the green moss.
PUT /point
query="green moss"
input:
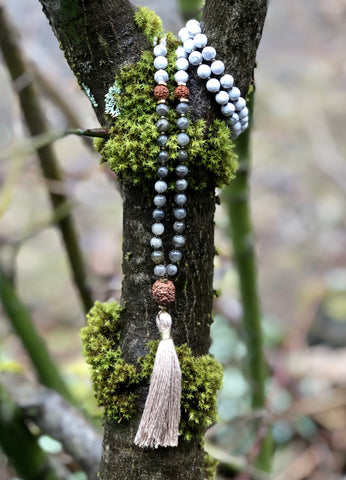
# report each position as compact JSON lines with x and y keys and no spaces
{"x":210,"y":466}
{"x":132,"y":149}
{"x":149,"y":23}
{"x":115,"y":381}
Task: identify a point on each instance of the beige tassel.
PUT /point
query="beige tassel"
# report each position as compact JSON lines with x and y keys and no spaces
{"x":159,"y":425}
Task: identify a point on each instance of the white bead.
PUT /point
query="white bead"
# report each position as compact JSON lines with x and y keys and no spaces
{"x":156,"y":242}
{"x":204,"y":71}
{"x":234,"y":119}
{"x":160,"y":50}
{"x":244,"y":126}
{"x":227,"y":81}
{"x":234,"y":94}
{"x":160,"y":62}
{"x":157,"y":228}
{"x":222,"y":97}
{"x":161,"y":76}
{"x":180,"y":52}
{"x":244,"y":112}
{"x":217,"y":67}
{"x":189,"y":45}
{"x":241,"y":103}
{"x":228,"y":110}
{"x":182,"y":63}
{"x":193,"y":27}
{"x":160,"y":186}
{"x":183,"y":34}
{"x":236,"y":127}
{"x":213,"y":85}
{"x":195,"y":58}
{"x":244,"y":120}
{"x":181,"y":76}
{"x":200,"y":40}
{"x":209,"y":53}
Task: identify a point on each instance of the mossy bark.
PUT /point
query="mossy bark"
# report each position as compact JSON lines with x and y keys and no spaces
{"x":99,"y":38}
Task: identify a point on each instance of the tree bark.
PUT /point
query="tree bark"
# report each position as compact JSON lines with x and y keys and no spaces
{"x":79,"y":25}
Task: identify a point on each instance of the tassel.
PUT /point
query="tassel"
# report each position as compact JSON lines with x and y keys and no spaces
{"x":159,"y":425}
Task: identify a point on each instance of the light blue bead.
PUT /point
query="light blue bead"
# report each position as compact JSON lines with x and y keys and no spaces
{"x":157,"y":256}
{"x":179,"y":226}
{"x":162,"y":140}
{"x":227,"y":81}
{"x":158,"y":214}
{"x":189,"y":45}
{"x":193,"y":27}
{"x":209,"y":53}
{"x":182,"y":123}
{"x":161,"y":76}
{"x":175,"y":255}
{"x":244,"y":112}
{"x":156,"y":242}
{"x":180,"y":52}
{"x":222,"y":97}
{"x":180,"y":199}
{"x":234,"y":94}
{"x":204,"y":71}
{"x":240,"y":104}
{"x":182,"y":170}
{"x":171,"y":270}
{"x":159,"y":200}
{"x":228,"y":110}
{"x":183,"y":34}
{"x":182,"y":63}
{"x":160,"y":50}
{"x":213,"y":85}
{"x":180,"y":213}
{"x":178,"y":241}
{"x":160,"y":62}
{"x":181,"y":184}
{"x":217,"y":67}
{"x":159,"y":270}
{"x":195,"y":58}
{"x":157,"y":228}
{"x":183,"y":139}
{"x":200,"y":40}
{"x":236,"y":127}
{"x":162,"y":172}
{"x":160,"y":186}
{"x":181,"y":76}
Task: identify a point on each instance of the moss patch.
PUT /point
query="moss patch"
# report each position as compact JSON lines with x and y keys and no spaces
{"x":115,"y":381}
{"x":149,"y":23}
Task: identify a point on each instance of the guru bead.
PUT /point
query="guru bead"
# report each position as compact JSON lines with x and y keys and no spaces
{"x":161,"y":92}
{"x":181,"y":92}
{"x":163,"y":292}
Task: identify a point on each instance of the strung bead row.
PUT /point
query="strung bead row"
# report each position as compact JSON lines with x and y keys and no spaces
{"x":196,"y":52}
{"x":161,"y":94}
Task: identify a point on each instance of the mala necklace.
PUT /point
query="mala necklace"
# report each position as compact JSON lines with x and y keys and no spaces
{"x":159,"y":425}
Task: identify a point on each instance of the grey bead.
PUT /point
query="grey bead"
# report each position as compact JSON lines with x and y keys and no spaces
{"x":162,"y":140}
{"x":178,"y":241}
{"x":157,"y":256}
{"x":179,"y":226}
{"x":182,"y":123}
{"x":160,"y":200}
{"x":175,"y":255}
{"x":180,"y":199}
{"x":157,"y":228}
{"x":182,"y":170}
{"x":171,"y":270}
{"x":181,"y":184}
{"x":162,"y":125}
{"x":156,"y":242}
{"x":159,"y":270}
{"x":180,"y":213}
{"x":183,"y":139}
{"x":163,"y":156}
{"x":183,"y":155}
{"x":158,"y":214}
{"x":182,"y":108}
{"x":160,"y":186}
{"x":162,"y":172}
{"x":162,"y":109}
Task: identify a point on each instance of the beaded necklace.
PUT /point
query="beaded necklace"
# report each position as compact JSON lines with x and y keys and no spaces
{"x":159,"y":425}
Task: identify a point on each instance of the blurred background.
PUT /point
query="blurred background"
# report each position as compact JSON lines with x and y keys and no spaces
{"x":298,"y":186}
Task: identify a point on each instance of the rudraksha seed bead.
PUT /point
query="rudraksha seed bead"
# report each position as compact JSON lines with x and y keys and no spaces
{"x":163,"y":292}
{"x":161,"y":92}
{"x":181,"y":92}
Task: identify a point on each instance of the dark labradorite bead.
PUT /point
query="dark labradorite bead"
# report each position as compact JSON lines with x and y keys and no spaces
{"x":179,"y":226}
{"x":183,"y":155}
{"x":162,"y":109}
{"x":162,"y":172}
{"x":171,"y":270}
{"x":180,"y":213}
{"x":159,"y":200}
{"x":182,"y":108}
{"x":157,"y":256}
{"x":182,"y":123}
{"x":175,"y":255}
{"x":162,"y":125}
{"x":180,"y":199}
{"x":163,"y":156}
{"x":158,"y":214}
{"x":162,"y":140}
{"x":182,"y":170}
{"x":178,"y":241}
{"x":181,"y":184}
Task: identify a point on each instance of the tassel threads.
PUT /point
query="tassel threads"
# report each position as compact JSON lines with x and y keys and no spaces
{"x":159,"y":425}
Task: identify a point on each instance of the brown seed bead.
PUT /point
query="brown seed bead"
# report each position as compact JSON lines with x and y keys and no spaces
{"x":181,"y":92}
{"x":163,"y":292}
{"x":161,"y":92}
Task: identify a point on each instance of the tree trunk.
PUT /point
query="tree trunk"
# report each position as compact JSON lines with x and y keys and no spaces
{"x":104,"y":33}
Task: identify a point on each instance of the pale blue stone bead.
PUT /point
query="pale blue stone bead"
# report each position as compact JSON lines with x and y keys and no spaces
{"x":244,"y":112}
{"x":222,"y":97}
{"x":179,"y":227}
{"x":195,"y":58}
{"x":157,"y":256}
{"x":193,"y":27}
{"x":236,"y":127}
{"x":209,"y":53}
{"x":234,"y":94}
{"x":182,"y":170}
{"x":240,"y":104}
{"x":183,"y":155}
{"x":228,"y":110}
{"x":157,"y":228}
{"x":161,"y":76}
{"x":181,"y":184}
{"x":158,"y":214}
{"x":175,"y":255}
{"x":183,"y":34}
{"x":160,"y":62}
{"x":200,"y":40}
{"x":244,"y":120}
{"x":160,"y":186}
{"x":180,"y":52}
{"x":180,"y":213}
{"x":162,"y":172}
{"x":182,"y":108}
{"x":159,"y":200}
{"x":180,"y":199}
{"x":160,"y":50}
{"x":217,"y":67}
{"x":233,"y":119}
{"x":181,"y":76}
{"x":162,"y":140}
{"x":189,"y":45}
{"x":163,"y":156}
{"x":244,"y":127}
{"x":159,"y":270}
{"x":204,"y":71}
{"x":178,"y":241}
{"x":171,"y":270}
{"x":156,"y":242}
{"x":183,"y":139}
{"x":213,"y":85}
{"x":227,"y":81}
{"x":182,"y":123}
{"x":182,"y":63}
